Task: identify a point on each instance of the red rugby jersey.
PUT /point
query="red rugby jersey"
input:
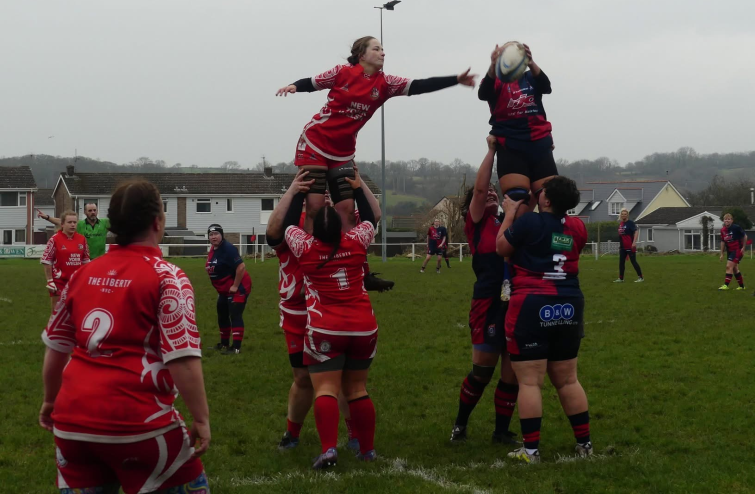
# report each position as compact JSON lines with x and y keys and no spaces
{"x":352,"y":100}
{"x":123,"y":316}
{"x":65,"y":254}
{"x":290,"y":286}
{"x":336,"y":298}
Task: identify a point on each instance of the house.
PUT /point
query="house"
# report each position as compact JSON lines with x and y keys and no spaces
{"x":240,"y":202}
{"x":681,"y":229}
{"x":603,"y":201}
{"x":17,"y":188}
{"x":42,"y":201}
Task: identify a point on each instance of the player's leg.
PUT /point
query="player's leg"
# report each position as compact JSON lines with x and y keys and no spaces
{"x":437,"y":264}
{"x":424,"y":264}
{"x":506,"y":394}
{"x":341,"y":192}
{"x":530,"y":374}
{"x":541,"y":167}
{"x":445,"y":256}
{"x":635,"y":265}
{"x":729,"y":274}
{"x":300,"y":396}
{"x":738,"y":273}
{"x":315,"y":199}
{"x":513,"y":176}
{"x":356,"y":369}
{"x":224,"y":323}
{"x":563,"y":376}
{"x":622,"y":263}
{"x":343,"y":407}
{"x":236,"y":306}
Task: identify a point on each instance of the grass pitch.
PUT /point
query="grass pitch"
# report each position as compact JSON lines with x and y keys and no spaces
{"x":665,"y":364}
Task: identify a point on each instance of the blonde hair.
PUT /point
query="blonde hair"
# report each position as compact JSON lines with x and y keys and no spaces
{"x":729,"y":215}
{"x":66,"y":214}
{"x":624,"y":210}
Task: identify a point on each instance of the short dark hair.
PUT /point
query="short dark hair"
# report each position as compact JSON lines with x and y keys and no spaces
{"x":563,"y":194}
{"x":134,"y":206}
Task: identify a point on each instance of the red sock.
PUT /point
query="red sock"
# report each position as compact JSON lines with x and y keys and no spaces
{"x":740,"y":280}
{"x":225,"y":335}
{"x":363,"y":418}
{"x":350,"y":427}
{"x":727,"y":280}
{"x":293,"y":428}
{"x":326,"y":420}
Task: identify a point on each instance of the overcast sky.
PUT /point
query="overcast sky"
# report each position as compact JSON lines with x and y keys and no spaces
{"x":194,"y":81}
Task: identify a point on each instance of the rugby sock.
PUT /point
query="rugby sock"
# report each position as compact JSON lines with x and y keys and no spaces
{"x":363,"y":418}
{"x":350,"y":427}
{"x":471,"y":392}
{"x":238,"y":336}
{"x":326,"y":420}
{"x":293,"y":428}
{"x":727,"y":280}
{"x":740,"y":280}
{"x":225,"y":336}
{"x":531,"y":433}
{"x":580,"y":423}
{"x":505,"y":401}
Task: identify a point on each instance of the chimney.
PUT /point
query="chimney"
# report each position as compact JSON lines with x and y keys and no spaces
{"x":69,"y":170}
{"x":268,"y":171}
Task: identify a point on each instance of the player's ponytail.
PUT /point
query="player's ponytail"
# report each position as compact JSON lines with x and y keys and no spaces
{"x":327,"y":229}
{"x":359,"y":48}
{"x":133,"y":208}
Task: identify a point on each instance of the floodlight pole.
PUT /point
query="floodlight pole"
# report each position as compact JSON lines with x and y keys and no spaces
{"x":383,"y":201}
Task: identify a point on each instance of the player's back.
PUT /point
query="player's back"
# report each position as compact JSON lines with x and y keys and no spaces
{"x":488,"y":266}
{"x":290,"y":280}
{"x":127,"y":310}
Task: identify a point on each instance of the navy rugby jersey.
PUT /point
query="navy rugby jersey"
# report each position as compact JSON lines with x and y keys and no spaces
{"x":626,"y":234}
{"x":221,"y":266}
{"x":516,"y":110}
{"x":546,"y":260}
{"x":442,"y":234}
{"x":733,"y":237}
{"x":488,"y":266}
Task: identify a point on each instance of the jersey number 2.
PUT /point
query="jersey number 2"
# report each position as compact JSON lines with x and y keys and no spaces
{"x":99,"y":323}
{"x":340,"y":276}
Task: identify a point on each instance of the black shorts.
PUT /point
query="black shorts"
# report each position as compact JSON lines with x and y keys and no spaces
{"x":544,"y":327}
{"x":536,"y":163}
{"x":434,"y":250}
{"x":486,"y":323}
{"x":297,"y":360}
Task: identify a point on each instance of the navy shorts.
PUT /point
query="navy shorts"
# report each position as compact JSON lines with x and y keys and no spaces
{"x":536,"y":163}
{"x":734,"y":256}
{"x":486,"y":322}
{"x":434,"y":250}
{"x":544,"y":327}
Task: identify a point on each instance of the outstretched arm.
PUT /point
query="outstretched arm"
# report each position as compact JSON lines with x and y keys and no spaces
{"x":54,"y":221}
{"x":422,"y":86}
{"x":369,"y":210}
{"x":482,"y":183}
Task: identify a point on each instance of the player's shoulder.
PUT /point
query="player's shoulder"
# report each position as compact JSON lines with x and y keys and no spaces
{"x":165,"y":272}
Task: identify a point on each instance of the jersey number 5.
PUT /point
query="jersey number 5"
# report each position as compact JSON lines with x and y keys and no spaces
{"x":340,"y":276}
{"x":99,"y":323}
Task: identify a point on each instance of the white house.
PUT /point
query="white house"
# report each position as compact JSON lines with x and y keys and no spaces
{"x":17,"y":188}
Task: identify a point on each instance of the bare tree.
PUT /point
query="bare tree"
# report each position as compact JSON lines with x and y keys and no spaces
{"x":229,"y":166}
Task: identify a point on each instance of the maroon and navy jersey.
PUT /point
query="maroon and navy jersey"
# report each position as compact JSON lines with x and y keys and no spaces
{"x":486,"y":264}
{"x":65,"y":255}
{"x":336,"y":298}
{"x":433,"y":236}
{"x":517,"y":115}
{"x":352,"y":100}
{"x":221,"y":266}
{"x":733,"y":237}
{"x":546,"y":259}
{"x":627,"y":230}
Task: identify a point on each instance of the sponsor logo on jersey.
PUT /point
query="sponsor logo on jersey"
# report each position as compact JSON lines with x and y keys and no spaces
{"x":81,"y":247}
{"x":375,"y":94}
{"x":561,"y":242}
{"x":112,"y":272}
{"x":522,"y":101}
{"x":325,"y":346}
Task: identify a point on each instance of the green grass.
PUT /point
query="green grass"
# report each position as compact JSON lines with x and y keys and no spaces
{"x":666,"y":366}
{"x":394,"y":199}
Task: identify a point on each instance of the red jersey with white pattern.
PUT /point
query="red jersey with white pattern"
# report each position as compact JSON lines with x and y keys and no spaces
{"x":546,"y":259}
{"x":336,"y":298}
{"x":290,"y":286}
{"x":352,"y":100}
{"x":123,"y":317}
{"x":65,"y":254}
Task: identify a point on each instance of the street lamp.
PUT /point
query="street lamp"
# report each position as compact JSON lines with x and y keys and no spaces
{"x":383,"y":227}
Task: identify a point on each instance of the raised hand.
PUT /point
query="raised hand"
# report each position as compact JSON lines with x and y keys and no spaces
{"x":285,"y":91}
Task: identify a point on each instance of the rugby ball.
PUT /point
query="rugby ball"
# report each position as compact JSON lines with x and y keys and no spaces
{"x":512,"y":62}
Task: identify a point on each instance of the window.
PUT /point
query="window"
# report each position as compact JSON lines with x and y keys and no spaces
{"x":21,"y":236}
{"x":268,"y":204}
{"x":571,"y":212}
{"x":616,"y":207}
{"x":692,"y":240}
{"x":10,"y":199}
{"x":8,"y":236}
{"x":650,"y":234}
{"x":22,"y":198}
{"x":84,"y":203}
{"x":714,"y":241}
{"x":165,"y":206}
{"x":229,"y":205}
{"x":204,"y":205}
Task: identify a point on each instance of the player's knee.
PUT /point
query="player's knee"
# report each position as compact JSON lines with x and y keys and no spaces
{"x":321,"y":181}
{"x":302,"y":380}
{"x":482,"y":373}
{"x":340,"y":189}
{"x":518,"y":194}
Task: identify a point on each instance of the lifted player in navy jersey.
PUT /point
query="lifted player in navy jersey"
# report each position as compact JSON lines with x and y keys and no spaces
{"x":233,"y":284}
{"x":437,"y":237}
{"x":517,"y":117}
{"x":486,"y":317}
{"x":628,"y":235}
{"x":544,"y":323}
{"x":733,"y":242}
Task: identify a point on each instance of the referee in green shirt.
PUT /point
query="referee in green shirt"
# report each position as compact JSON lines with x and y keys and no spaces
{"x":94,"y":229}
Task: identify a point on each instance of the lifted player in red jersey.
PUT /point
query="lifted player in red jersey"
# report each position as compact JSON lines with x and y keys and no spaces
{"x":127,"y":322}
{"x":523,"y":133}
{"x":66,"y":252}
{"x":733,"y":243}
{"x":544,"y":323}
{"x":341,"y":327}
{"x":356,"y":90}
{"x":486,"y":317}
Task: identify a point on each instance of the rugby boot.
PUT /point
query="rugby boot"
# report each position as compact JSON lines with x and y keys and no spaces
{"x":741,"y":288}
{"x":219,"y":347}
{"x":288,"y":442}
{"x":459,"y":433}
{"x":231,"y":351}
{"x":368,"y":456}
{"x":353,"y":444}
{"x":639,"y":280}
{"x":584,"y":450}
{"x":618,"y":281}
{"x":326,"y":460}
{"x":723,"y":287}
{"x":505,"y":437}
{"x":522,"y":455}
{"x":374,"y":284}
